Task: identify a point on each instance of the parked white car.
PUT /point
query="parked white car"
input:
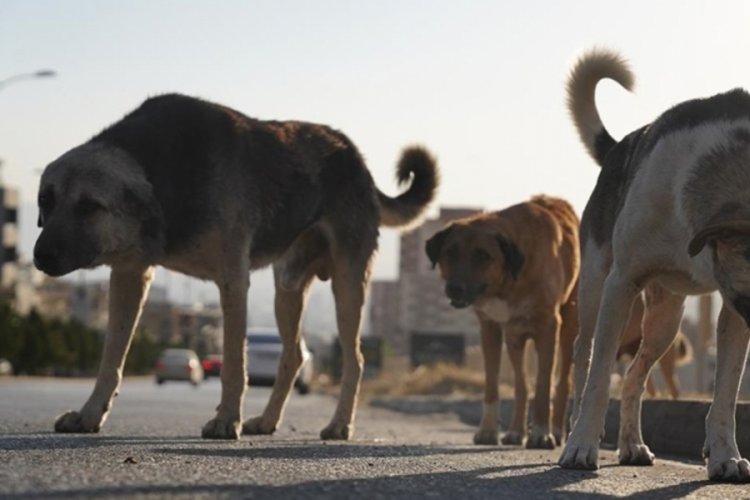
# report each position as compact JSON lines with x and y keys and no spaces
{"x":178,"y":364}
{"x":263,"y":356}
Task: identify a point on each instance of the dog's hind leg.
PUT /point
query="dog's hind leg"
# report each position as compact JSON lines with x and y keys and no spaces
{"x":289,"y":306}
{"x":492,"y":348}
{"x":582,"y":448}
{"x":568,"y":332}
{"x":720,"y":449}
{"x":517,"y":430}
{"x":661,"y":321}
{"x":233,"y":283}
{"x":127,"y":293}
{"x":349,"y":278}
{"x":667,"y":365}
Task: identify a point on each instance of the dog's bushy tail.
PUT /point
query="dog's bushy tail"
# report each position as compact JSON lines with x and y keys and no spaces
{"x":591,"y":67}
{"x":405,"y":210}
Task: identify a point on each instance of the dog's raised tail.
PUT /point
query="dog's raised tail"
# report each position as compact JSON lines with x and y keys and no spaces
{"x":591,"y":67}
{"x":405,"y":210}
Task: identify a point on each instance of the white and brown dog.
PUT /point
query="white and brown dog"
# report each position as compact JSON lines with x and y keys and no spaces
{"x":670,"y":214}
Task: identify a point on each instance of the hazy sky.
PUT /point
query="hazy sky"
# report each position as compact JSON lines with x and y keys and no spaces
{"x":481,"y":83}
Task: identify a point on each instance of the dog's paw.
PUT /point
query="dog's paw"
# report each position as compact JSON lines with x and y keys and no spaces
{"x":257,"y":425}
{"x":635,"y":454}
{"x":512,"y":438}
{"x":540,"y":441}
{"x":486,"y":436}
{"x":218,"y":428}
{"x":337,"y":431}
{"x":579,"y":455}
{"x":733,"y":470}
{"x":74,"y":421}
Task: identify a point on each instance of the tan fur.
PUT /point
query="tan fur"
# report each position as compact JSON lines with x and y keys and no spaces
{"x":678,"y":353}
{"x":537,"y":305}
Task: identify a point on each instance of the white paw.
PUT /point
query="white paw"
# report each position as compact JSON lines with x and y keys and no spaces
{"x":74,"y":421}
{"x":512,"y":438}
{"x":733,"y":470}
{"x":257,"y":425}
{"x":635,"y":454}
{"x":486,"y":436}
{"x":337,"y":431}
{"x":540,"y":440}
{"x":579,"y":454}
{"x":219,"y":428}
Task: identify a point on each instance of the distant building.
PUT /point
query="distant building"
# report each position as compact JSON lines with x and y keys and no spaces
{"x":8,"y":236}
{"x":415,"y":302}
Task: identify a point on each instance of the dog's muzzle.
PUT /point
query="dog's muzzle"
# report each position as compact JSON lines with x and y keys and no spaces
{"x":462,"y":296}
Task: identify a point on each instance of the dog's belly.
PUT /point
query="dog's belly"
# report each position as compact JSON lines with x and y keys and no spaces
{"x":684,"y":284}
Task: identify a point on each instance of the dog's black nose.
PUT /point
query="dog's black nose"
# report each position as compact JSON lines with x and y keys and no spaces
{"x":45,"y":259}
{"x":455,"y":290}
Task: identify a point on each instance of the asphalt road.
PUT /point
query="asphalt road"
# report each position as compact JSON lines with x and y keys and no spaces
{"x":151,"y":448}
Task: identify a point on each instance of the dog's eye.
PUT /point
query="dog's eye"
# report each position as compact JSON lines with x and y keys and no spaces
{"x":46,"y":201}
{"x":87,"y":206}
{"x":480,"y":257}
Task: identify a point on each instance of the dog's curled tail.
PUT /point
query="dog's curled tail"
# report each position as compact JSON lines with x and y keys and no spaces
{"x":405,"y":210}
{"x":684,"y":349}
{"x":591,"y":67}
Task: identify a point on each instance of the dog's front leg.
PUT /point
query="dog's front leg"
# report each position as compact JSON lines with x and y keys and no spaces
{"x":127,"y":293}
{"x":720,"y":449}
{"x":516,"y":342}
{"x":492,"y":348}
{"x":233,"y":284}
{"x":545,"y":342}
{"x":582,"y":449}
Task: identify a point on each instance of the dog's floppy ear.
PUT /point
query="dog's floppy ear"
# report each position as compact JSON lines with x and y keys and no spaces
{"x":141,"y":203}
{"x":719,"y":231}
{"x":513,"y":257}
{"x":434,"y":245}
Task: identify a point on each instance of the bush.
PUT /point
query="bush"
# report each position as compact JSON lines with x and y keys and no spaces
{"x":36,"y":346}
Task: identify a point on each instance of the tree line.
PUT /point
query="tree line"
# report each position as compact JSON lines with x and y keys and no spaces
{"x":38,"y":346}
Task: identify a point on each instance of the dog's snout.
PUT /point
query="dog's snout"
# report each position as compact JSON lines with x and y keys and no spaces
{"x":46,"y":258}
{"x":742,"y":306}
{"x":455,"y":290}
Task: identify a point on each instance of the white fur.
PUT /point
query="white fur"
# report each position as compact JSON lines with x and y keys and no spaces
{"x":495,"y":309}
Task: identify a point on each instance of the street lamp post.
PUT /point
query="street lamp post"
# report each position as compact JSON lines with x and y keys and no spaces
{"x":42,"y":73}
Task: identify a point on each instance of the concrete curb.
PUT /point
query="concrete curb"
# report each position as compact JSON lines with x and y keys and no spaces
{"x":669,"y":427}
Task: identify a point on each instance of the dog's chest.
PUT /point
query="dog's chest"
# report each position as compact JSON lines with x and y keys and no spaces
{"x":495,"y":309}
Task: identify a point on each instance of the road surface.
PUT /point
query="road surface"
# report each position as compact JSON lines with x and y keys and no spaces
{"x":151,"y":448}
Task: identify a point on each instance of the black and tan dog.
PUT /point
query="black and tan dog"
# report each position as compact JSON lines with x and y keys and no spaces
{"x":204,"y":190}
{"x":518,"y":268}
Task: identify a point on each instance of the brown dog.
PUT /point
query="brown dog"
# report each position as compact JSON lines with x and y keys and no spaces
{"x":678,"y":354}
{"x":518,"y":268}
